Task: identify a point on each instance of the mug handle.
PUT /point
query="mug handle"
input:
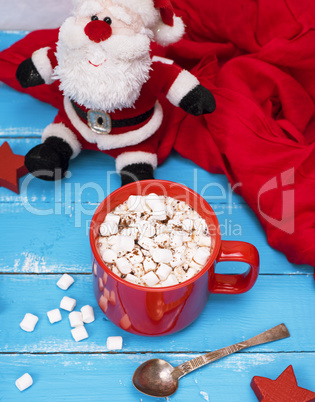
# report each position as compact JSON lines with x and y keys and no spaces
{"x":241,"y":252}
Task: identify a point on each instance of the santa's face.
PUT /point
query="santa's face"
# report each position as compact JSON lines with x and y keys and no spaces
{"x":103,"y":56}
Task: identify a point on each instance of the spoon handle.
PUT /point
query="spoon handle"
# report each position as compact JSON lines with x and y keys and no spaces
{"x":273,"y":334}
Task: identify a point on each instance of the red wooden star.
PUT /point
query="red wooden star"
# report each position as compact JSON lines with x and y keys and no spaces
{"x":11,"y":168}
{"x":283,"y":389}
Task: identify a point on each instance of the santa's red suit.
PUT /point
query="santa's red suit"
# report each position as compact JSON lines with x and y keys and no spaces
{"x":133,"y":136}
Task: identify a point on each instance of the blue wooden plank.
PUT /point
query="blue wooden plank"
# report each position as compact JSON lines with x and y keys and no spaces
{"x":108,"y":377}
{"x":225,"y":320}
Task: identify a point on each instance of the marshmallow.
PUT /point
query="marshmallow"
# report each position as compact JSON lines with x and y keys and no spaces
{"x":54,"y":315}
{"x":131,"y":278}
{"x":190,"y":273}
{"x":150,"y":278}
{"x":124,"y":243}
{"x":135,"y":257}
{"x":65,"y":282}
{"x":76,"y":319}
{"x":162,"y":239}
{"x":114,"y":343}
{"x":146,"y":243}
{"x":112,"y":218}
{"x":135,"y":203}
{"x":176,"y":241}
{"x":79,"y":333}
{"x":28,"y":323}
{"x":204,"y":241}
{"x":178,"y":259}
{"x":188,"y":224}
{"x":124,"y":265}
{"x":202,"y":255}
{"x":24,"y":382}
{"x":149,"y":264}
{"x":163,"y":271}
{"x":162,"y":255}
{"x":170,"y":281}
{"x":109,"y":256}
{"x":67,"y":303}
{"x":157,"y":206}
{"x":146,"y":229}
{"x":108,"y":228}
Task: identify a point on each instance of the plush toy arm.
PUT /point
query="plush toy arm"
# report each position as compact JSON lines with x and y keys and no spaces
{"x":38,"y":69}
{"x":27,"y":74}
{"x":198,"y":101}
{"x":187,"y":93}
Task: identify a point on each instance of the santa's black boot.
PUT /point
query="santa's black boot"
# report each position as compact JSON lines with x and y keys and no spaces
{"x":136,"y":172}
{"x":49,"y":160}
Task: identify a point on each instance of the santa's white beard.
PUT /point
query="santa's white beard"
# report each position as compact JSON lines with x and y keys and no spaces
{"x":116,"y":83}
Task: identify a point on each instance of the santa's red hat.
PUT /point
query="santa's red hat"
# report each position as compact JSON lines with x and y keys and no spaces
{"x":157,"y":15}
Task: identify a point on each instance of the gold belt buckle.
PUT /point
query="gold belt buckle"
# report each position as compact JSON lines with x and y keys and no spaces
{"x":99,"y":121}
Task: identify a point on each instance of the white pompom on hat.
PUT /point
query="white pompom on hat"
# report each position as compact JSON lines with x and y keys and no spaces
{"x":157,"y":15}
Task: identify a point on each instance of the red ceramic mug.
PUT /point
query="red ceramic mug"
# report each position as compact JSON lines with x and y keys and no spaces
{"x":161,"y":311}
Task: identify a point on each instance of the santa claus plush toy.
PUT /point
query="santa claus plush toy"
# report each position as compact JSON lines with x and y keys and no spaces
{"x":111,"y":86}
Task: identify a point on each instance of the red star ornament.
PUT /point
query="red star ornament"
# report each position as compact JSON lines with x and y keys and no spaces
{"x":11,"y":168}
{"x":283,"y":389}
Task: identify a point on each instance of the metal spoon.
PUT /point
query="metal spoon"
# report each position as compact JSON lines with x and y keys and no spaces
{"x":157,"y":377}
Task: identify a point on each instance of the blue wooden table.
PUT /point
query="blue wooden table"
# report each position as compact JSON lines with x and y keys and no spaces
{"x":44,"y":233}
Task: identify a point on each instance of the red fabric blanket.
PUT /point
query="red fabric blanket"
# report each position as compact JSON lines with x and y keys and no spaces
{"x":258,"y":59}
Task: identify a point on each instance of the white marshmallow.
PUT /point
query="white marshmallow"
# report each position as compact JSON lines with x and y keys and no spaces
{"x":24,"y":382}
{"x":163,"y":271}
{"x":176,"y":241}
{"x":150,"y":278}
{"x":87,"y":314}
{"x":188,"y":224}
{"x":109,"y":256}
{"x":162,"y":239}
{"x":149,"y":264}
{"x":131,"y":231}
{"x":178,"y":259}
{"x":202,"y":255}
{"x":76,"y":319}
{"x":157,"y":206}
{"x":65,"y":282}
{"x":28,"y":323}
{"x":146,"y":243}
{"x":135,"y":257}
{"x":124,"y":243}
{"x":112,"y":218}
{"x":136,"y":203}
{"x":190,"y":273}
{"x":204,"y":241}
{"x":162,"y":255}
{"x":170,"y":281}
{"x":114,"y":343}
{"x":146,"y":229}
{"x":200,"y":225}
{"x":124,"y":265}
{"x":193,"y":264}
{"x":108,"y":228}
{"x":54,"y":315}
{"x":67,"y":303}
{"x":79,"y":333}
{"x":131,"y":278}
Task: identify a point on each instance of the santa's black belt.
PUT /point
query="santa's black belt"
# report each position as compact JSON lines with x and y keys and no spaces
{"x":102,"y":123}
